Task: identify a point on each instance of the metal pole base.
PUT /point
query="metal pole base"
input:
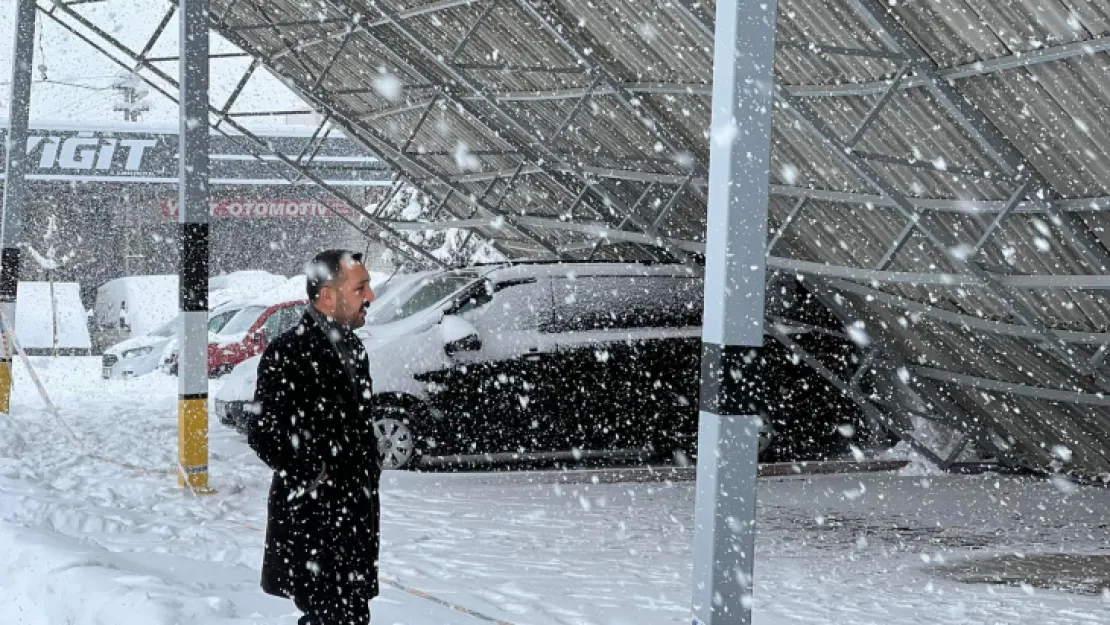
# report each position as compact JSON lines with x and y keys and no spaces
{"x":724,"y":519}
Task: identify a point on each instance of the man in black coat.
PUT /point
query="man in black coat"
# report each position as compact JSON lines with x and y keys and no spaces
{"x":313,"y":428}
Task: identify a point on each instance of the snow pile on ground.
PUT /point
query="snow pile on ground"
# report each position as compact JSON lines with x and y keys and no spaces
{"x":12,"y":446}
{"x":51,"y":580}
{"x":935,"y":437}
{"x":524,"y":548}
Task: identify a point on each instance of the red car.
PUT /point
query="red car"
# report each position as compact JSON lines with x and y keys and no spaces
{"x":248,"y":333}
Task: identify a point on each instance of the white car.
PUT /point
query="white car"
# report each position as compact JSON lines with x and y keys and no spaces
{"x":527,"y":361}
{"x":144,"y":354}
{"x":137,"y":356}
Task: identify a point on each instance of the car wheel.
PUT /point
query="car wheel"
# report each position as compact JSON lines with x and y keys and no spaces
{"x":398,"y":445}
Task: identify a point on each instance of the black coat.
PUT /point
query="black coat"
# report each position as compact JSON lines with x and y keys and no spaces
{"x":321,"y":535}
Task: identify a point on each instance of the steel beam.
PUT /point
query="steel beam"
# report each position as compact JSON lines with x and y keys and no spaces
{"x":1019,"y":308}
{"x":968,"y":322}
{"x":996,"y":223}
{"x":828,"y":50}
{"x":1011,"y":388}
{"x":963,"y":207}
{"x":887,"y":159}
{"x":899,"y":241}
{"x":158,"y":30}
{"x":873,"y":114}
{"x":984,"y":280}
{"x":790,"y":217}
{"x":490,"y":6}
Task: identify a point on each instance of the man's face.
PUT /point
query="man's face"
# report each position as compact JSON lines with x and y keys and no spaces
{"x":351,"y":295}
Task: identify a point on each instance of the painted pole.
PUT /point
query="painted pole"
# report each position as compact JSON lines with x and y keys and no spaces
{"x":736,"y":237}
{"x":16,"y":165}
{"x":193,"y":216}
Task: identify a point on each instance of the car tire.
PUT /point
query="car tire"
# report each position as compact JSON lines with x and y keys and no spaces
{"x":397,"y":432}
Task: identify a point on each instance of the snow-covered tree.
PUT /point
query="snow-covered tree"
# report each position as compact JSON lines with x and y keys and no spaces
{"x":454,"y":246}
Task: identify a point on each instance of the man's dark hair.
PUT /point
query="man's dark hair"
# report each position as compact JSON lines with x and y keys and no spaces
{"x":325,"y":267}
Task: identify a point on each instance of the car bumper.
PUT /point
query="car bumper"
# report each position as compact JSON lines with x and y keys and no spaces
{"x":123,"y":371}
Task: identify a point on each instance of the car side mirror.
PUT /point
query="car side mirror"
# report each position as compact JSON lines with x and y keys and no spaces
{"x":262,"y":337}
{"x":459,"y":335}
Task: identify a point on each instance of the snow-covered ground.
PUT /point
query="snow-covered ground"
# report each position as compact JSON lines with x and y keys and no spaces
{"x":90,"y":543}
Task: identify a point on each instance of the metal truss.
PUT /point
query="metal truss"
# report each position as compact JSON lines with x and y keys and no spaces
{"x":870,"y":406}
{"x":965,"y":321}
{"x":851,"y":390}
{"x":530,"y":144}
{"x":253,"y":144}
{"x":1020,"y":309}
{"x":394,"y":153}
{"x":972,"y":120}
{"x":383,"y":147}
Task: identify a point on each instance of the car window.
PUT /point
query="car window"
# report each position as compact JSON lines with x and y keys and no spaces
{"x":291,"y":316}
{"x":626,"y":302}
{"x":217,"y":322}
{"x":243,"y":320}
{"x":275,"y":323}
{"x":520,"y":305}
{"x":426,"y":294}
{"x":166,"y":330}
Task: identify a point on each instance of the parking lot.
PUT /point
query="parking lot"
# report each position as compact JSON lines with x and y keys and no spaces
{"x":537,"y":547}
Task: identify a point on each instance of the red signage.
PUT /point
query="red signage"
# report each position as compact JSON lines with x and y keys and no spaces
{"x":265,"y":209}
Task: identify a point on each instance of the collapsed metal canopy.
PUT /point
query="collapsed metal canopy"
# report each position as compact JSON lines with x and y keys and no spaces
{"x":940,"y":170}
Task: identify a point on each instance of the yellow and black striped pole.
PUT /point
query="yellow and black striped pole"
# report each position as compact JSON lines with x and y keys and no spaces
{"x":16,"y":164}
{"x":193,"y":199}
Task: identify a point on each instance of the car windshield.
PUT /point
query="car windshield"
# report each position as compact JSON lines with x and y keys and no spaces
{"x":422,"y":296}
{"x":169,"y":329}
{"x":243,"y":320}
{"x":217,"y":322}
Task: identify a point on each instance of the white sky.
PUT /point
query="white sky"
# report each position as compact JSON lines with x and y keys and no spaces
{"x":73,"y":81}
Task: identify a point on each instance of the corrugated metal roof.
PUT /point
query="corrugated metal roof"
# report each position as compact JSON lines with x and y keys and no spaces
{"x":459,"y":95}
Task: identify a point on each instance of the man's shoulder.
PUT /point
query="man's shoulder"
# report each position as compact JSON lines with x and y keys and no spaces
{"x":293,"y":341}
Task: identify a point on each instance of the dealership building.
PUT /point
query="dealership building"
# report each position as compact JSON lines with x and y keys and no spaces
{"x":104,"y":199}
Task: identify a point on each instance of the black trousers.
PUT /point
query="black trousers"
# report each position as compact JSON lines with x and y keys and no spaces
{"x":329,"y":608}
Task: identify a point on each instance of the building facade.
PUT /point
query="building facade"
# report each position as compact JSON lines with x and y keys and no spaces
{"x":103,"y":202}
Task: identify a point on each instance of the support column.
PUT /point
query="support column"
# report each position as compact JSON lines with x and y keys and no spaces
{"x":16,"y":165}
{"x":193,"y":199}
{"x":735,"y":273}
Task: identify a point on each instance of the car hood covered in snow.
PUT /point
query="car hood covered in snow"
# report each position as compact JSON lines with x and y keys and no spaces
{"x":136,"y":343}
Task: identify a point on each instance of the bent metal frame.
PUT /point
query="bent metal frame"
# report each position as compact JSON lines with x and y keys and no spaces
{"x":896,"y":180}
